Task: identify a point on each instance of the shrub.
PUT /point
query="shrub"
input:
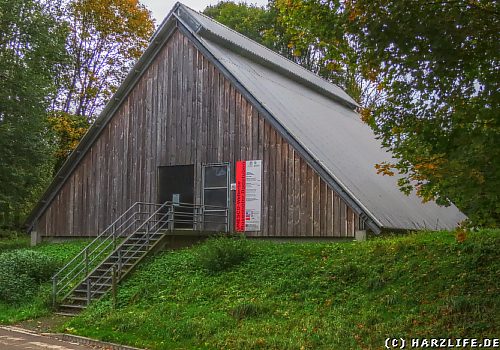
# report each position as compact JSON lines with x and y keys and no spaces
{"x":220,"y":254}
{"x":10,"y":234}
{"x":22,"y":272}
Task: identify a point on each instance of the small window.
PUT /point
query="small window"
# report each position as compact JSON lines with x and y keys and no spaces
{"x":216,"y":176}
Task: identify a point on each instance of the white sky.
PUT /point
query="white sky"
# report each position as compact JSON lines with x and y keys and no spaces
{"x":160,"y":8}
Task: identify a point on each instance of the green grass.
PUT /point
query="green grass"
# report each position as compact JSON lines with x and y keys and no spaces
{"x":308,"y":296}
{"x":13,"y":239}
{"x":14,"y":243}
{"x":40,"y":304}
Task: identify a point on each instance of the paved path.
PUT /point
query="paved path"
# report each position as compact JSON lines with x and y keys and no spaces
{"x":12,"y":338}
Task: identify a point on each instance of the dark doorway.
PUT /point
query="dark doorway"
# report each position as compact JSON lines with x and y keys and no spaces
{"x":176,"y":184}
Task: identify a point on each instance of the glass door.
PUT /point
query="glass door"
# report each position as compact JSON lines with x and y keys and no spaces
{"x":215,"y":197}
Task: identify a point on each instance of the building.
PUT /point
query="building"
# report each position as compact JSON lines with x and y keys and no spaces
{"x":202,"y":98}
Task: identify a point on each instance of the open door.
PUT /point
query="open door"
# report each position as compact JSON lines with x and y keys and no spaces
{"x":176,"y":184}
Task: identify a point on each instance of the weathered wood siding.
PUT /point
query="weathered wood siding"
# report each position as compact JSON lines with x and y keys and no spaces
{"x":183,"y":111}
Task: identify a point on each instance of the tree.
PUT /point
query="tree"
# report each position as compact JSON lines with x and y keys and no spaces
{"x":257,"y":23}
{"x":317,"y":27}
{"x":437,"y":62}
{"x":440,"y":60}
{"x":31,"y":54}
{"x":68,"y":130}
{"x":106,"y":38}
{"x":301,"y":38}
{"x":249,"y":20}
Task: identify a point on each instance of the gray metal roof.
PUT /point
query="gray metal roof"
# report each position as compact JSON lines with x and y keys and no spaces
{"x":331,"y":133}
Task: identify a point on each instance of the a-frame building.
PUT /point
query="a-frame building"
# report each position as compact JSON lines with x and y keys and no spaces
{"x":202,"y":98}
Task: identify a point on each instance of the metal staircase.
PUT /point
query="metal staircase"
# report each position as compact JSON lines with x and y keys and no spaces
{"x":120,"y":247}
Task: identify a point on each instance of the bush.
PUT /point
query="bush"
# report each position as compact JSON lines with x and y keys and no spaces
{"x":10,"y":234}
{"x":22,"y":272}
{"x":220,"y":254}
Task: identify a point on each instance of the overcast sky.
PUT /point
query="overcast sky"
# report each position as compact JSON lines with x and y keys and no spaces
{"x":160,"y":8}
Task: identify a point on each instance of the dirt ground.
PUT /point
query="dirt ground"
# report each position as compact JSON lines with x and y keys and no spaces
{"x":47,"y":324}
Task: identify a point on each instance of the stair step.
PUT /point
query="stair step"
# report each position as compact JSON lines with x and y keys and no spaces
{"x":132,"y":249}
{"x":76,"y":298}
{"x":136,"y":239}
{"x":131,"y":255}
{"x":80,"y":289}
{"x":143,"y":240}
{"x":73,"y":306}
{"x":67,"y":314}
{"x":107,"y":274}
{"x":139,"y":242}
{"x":100,"y":285}
{"x":137,"y":245}
{"x":93,"y":287}
{"x":84,"y":291}
{"x":109,"y":263}
{"x":127,"y":252}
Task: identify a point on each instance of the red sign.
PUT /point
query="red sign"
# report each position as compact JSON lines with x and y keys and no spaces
{"x":240,"y":196}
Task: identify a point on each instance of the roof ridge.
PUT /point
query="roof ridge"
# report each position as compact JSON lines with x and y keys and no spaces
{"x":256,"y":42}
{"x":273,"y":53}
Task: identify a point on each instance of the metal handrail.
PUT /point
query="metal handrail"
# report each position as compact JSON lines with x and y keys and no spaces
{"x":80,"y":269}
{"x":117,"y":266}
{"x":136,"y":247}
{"x":72,"y":271}
{"x":102,"y":234}
{"x":85,"y":252}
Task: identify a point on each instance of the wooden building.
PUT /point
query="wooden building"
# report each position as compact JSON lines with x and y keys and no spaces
{"x":204,"y":97}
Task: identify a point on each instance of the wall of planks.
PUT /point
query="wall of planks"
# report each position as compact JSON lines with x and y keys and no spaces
{"x":184,"y":111}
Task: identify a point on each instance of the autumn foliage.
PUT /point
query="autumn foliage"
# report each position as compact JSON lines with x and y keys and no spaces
{"x":60,"y":62}
{"x":68,"y":130}
{"x":435,"y":65}
{"x":106,"y":38}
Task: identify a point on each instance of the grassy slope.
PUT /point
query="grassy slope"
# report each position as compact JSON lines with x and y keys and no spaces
{"x":40,"y":305}
{"x":310,"y":296}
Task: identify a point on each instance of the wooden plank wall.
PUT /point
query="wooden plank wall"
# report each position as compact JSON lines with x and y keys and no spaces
{"x":183,"y":111}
